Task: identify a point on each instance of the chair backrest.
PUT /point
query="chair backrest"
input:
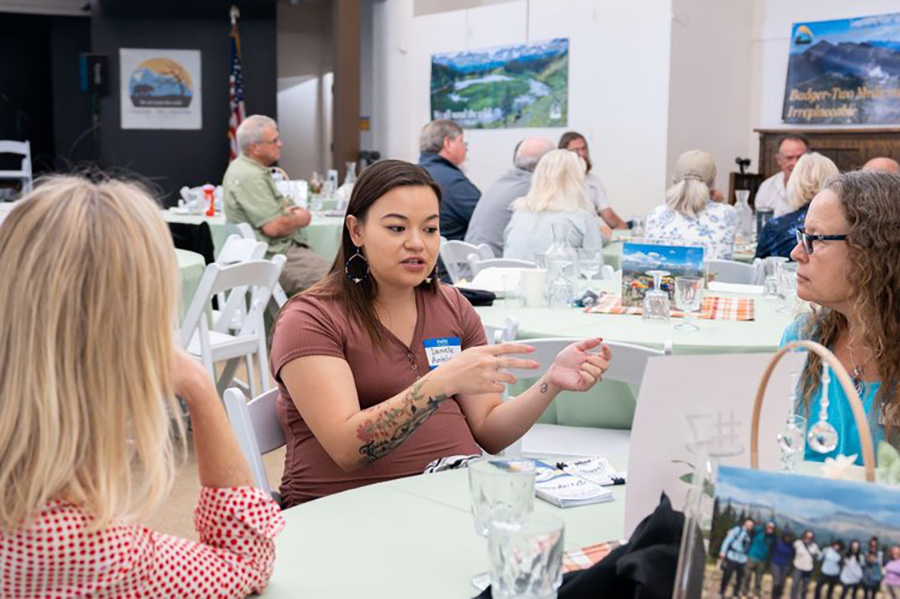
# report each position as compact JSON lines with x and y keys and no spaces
{"x":242,"y":229}
{"x":255,"y":277}
{"x":279,"y":297}
{"x":607,"y":273}
{"x":505,"y":333}
{"x":730,"y":271}
{"x":476,"y":263}
{"x":240,"y":249}
{"x":24,"y":174}
{"x":256,"y":427}
{"x":627,"y":365}
{"x":455,"y":256}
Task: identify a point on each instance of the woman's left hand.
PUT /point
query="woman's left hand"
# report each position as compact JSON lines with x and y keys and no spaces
{"x":575,"y":369}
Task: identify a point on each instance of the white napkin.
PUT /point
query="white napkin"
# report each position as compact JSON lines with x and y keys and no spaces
{"x":720,"y":287}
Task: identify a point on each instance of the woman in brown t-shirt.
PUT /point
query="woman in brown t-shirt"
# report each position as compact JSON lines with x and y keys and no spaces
{"x":382,"y":369}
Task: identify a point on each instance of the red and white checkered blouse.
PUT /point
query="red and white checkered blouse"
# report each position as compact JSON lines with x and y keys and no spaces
{"x":55,"y":556}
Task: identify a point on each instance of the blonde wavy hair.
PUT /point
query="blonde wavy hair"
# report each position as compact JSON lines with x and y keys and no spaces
{"x":808,"y":178}
{"x":557,"y":185}
{"x":871,"y":204}
{"x":86,"y":370}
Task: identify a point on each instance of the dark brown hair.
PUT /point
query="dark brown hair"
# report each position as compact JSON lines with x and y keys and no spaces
{"x":375,"y":181}
{"x":570,"y":136}
{"x":870,"y":202}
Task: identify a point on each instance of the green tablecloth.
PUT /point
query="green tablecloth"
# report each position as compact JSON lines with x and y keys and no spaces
{"x":422,"y":522}
{"x":611,"y":404}
{"x":323,"y":233}
{"x":191,"y":265}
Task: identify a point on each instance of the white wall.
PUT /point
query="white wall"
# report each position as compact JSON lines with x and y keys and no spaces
{"x":771,"y":32}
{"x":709,"y":100}
{"x":618,"y":84}
{"x":304,"y":56}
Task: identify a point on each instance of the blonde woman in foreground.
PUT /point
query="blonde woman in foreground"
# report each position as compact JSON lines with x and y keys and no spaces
{"x":557,"y":196}
{"x":88,"y":378}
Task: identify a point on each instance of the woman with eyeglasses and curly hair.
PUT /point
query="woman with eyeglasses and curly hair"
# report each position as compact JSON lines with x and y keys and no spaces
{"x":848,"y":256}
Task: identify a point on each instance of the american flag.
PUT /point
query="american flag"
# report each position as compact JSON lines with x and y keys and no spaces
{"x":236,"y":91}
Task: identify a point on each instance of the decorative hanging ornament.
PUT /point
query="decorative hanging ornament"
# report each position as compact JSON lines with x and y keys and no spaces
{"x":823,"y":437}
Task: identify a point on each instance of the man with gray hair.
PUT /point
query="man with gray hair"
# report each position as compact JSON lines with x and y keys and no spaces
{"x":252,"y":197}
{"x":492,"y":213}
{"x":442,"y":151}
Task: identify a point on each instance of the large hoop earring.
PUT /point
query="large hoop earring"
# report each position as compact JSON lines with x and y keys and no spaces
{"x":364,"y":267}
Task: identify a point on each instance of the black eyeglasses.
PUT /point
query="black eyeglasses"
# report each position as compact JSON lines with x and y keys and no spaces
{"x":806,"y":240}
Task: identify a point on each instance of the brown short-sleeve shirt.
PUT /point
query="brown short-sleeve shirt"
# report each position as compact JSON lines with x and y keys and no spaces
{"x":318,"y":326}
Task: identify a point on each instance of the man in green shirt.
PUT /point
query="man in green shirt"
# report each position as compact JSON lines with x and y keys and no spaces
{"x":252,"y":197}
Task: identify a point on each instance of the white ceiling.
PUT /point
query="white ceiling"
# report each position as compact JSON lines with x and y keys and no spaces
{"x":47,"y":7}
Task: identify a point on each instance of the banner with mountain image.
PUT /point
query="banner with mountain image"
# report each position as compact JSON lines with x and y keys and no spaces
{"x":160,"y":89}
{"x":521,"y":85}
{"x":843,"y":72}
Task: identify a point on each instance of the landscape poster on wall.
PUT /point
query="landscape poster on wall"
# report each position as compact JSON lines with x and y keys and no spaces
{"x":160,"y":89}
{"x":845,"y":71}
{"x":521,"y":85}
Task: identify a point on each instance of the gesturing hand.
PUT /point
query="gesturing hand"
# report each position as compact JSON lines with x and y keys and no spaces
{"x":481,"y":369}
{"x":575,"y":369}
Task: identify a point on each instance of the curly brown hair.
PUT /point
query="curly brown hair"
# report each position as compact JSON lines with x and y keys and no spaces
{"x":871,"y":204}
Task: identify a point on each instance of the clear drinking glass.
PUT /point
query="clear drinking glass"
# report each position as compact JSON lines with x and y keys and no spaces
{"x":792,"y":442}
{"x":526,"y":559}
{"x":656,"y":301}
{"x":688,"y":297}
{"x":786,"y":277}
{"x":589,"y":262}
{"x":502,"y":490}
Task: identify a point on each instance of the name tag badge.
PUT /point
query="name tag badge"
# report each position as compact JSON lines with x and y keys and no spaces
{"x":441,"y":350}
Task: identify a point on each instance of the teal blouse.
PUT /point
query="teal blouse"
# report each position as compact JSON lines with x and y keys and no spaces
{"x":839,"y":413}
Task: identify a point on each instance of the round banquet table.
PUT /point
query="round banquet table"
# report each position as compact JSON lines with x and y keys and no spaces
{"x":407,"y":539}
{"x":323,"y":234}
{"x":714,"y":337}
{"x":191,"y":265}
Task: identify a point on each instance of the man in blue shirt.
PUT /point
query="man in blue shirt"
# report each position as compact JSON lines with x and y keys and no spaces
{"x":442,"y":151}
{"x":733,"y":555}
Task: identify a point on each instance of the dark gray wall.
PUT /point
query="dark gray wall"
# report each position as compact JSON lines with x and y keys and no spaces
{"x":73,"y":134}
{"x":170,"y":158}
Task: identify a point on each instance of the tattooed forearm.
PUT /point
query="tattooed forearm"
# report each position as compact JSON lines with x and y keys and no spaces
{"x":389,"y":427}
{"x":544,"y":387}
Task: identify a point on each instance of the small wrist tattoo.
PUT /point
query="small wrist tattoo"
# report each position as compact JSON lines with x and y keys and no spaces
{"x":544,"y":387}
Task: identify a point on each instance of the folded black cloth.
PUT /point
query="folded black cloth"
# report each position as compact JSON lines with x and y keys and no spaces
{"x":644,"y":568}
{"x":477,"y":297}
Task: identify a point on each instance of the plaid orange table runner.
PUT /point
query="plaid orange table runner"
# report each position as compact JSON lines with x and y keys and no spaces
{"x":713,"y":307}
{"x":586,"y":557}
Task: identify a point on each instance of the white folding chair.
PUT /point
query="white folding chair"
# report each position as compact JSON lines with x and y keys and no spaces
{"x":455,"y":256}
{"x":505,"y":333}
{"x":23,"y":173}
{"x":250,"y":285}
{"x":607,"y":273}
{"x":477,"y":263}
{"x":258,"y":432}
{"x":627,"y":366}
{"x":731,"y":271}
{"x":279,"y":297}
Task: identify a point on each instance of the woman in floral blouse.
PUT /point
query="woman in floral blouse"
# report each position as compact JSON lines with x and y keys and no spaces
{"x":690,"y":216}
{"x":88,"y":378}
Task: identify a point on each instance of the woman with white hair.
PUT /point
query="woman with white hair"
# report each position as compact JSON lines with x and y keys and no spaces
{"x":89,"y":372}
{"x":690,"y":216}
{"x":556,"y":196}
{"x":779,"y":236}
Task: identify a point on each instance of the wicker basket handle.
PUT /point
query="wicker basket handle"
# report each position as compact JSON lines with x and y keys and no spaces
{"x":859,"y":413}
